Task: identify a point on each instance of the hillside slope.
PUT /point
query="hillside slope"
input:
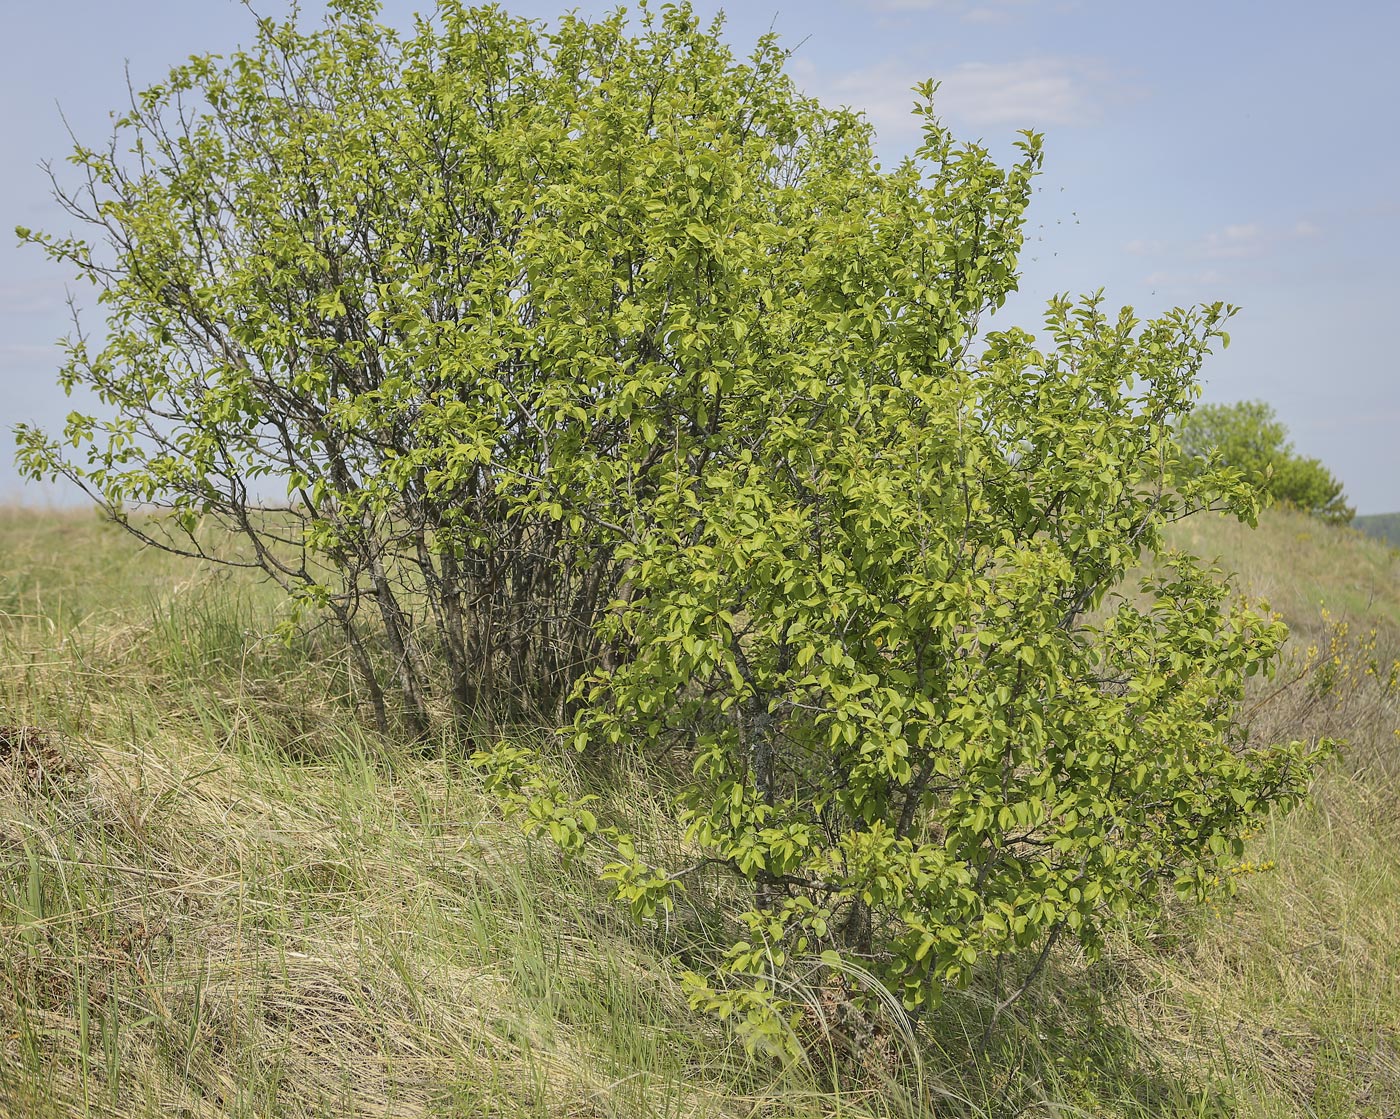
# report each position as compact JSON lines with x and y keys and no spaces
{"x":219,"y":895}
{"x":1383,"y":526}
{"x":1302,"y":566}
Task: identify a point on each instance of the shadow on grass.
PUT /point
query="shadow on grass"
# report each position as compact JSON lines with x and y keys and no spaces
{"x":1063,"y":1049}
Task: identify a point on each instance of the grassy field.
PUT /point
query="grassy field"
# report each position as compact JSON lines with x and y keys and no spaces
{"x":220,"y":895}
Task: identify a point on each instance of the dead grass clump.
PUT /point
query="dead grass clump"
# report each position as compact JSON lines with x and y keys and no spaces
{"x":35,"y":758}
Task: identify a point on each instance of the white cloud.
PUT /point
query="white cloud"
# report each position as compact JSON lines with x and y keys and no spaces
{"x":1032,"y":93}
{"x":1250,"y":240}
{"x":1206,"y":260}
{"x":1173,"y":279}
{"x":986,"y":14}
{"x":1233,"y":242}
{"x":971,"y":11}
{"x":1144,"y":246}
{"x":1037,"y":91}
{"x":18,"y":354}
{"x":39,"y":298}
{"x":22,"y":349}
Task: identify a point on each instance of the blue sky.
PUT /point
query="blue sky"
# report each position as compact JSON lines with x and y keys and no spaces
{"x":1195,"y":151}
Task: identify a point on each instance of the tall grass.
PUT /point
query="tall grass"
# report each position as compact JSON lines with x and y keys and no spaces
{"x":221,"y":895}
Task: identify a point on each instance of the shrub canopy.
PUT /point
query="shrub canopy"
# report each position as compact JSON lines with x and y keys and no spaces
{"x":606,"y":375}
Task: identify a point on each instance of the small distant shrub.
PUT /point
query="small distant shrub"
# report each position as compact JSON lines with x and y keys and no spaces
{"x":1248,"y":437}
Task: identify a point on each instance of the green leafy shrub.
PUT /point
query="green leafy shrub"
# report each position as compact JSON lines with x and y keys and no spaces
{"x":885,"y":633}
{"x":609,"y":363}
{"x":391,"y":311}
{"x":1248,"y":437}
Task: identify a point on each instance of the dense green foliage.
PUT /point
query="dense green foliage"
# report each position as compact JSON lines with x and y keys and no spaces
{"x":430,"y":291}
{"x":1248,"y":437}
{"x":599,"y":359}
{"x":868,"y":630}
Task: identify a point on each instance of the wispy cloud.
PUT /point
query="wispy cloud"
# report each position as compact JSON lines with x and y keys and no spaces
{"x":1204,"y":259}
{"x":1233,"y":242}
{"x":972,"y":11}
{"x":1030,"y":93}
{"x":1250,"y":240}
{"x":1145,"y":246}
{"x":19,"y":355}
{"x":31,"y":299}
{"x":1183,"y":279}
{"x":1037,"y":91}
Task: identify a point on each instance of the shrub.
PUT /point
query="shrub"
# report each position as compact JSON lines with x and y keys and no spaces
{"x":386,"y":307}
{"x":1248,"y":437}
{"x":885,"y":632}
{"x":606,"y":359}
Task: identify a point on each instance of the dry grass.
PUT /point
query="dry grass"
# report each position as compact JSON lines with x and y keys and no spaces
{"x":220,"y":896}
{"x":1302,"y":565}
{"x":1290,"y":995}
